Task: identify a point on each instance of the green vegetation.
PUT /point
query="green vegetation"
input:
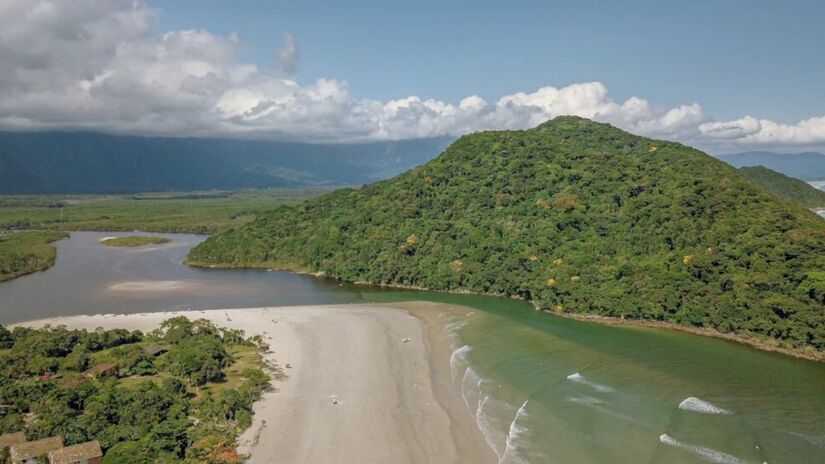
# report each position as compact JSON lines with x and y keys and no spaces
{"x":26,"y":252}
{"x":191,"y":212}
{"x":786,"y":187}
{"x":574,"y":216}
{"x":187,"y":404}
{"x":135,"y":241}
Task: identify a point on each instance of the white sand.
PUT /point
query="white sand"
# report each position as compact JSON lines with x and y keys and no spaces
{"x":355,"y":391}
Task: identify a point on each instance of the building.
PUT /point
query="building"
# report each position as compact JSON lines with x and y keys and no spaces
{"x":7,"y":440}
{"x":83,"y":453}
{"x":155,"y":350}
{"x":102,"y":370}
{"x":29,"y":452}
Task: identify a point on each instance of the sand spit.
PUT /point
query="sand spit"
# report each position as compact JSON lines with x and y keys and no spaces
{"x":362,"y":385}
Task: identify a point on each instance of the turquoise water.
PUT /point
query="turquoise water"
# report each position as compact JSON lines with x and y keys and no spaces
{"x":542,"y":389}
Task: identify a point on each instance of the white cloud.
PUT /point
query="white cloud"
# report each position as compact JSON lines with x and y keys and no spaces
{"x":101,"y":64}
{"x":288,"y":55}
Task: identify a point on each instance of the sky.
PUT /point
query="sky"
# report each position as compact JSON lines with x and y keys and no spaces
{"x":722,"y":75}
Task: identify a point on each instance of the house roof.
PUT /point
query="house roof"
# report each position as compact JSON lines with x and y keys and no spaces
{"x":102,"y":367}
{"x":154,"y":349}
{"x":9,"y":439}
{"x":33,"y":449}
{"x":74,"y":453}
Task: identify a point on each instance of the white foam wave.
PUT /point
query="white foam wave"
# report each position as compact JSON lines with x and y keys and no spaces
{"x":484,"y":419}
{"x":471,"y":388}
{"x":516,"y":430}
{"x":578,"y":378}
{"x":696,"y":405}
{"x":458,"y":359}
{"x":453,"y":327}
{"x":708,"y":454}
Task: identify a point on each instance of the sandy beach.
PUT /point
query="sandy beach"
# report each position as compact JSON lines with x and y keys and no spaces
{"x":364,"y":384}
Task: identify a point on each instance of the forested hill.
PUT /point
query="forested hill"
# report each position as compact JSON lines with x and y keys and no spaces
{"x":787,"y":187}
{"x":75,"y":162}
{"x":574,"y":216}
{"x":805,"y":166}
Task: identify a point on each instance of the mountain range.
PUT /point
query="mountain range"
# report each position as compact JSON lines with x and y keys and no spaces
{"x":81,"y":162}
{"x":807,"y":166}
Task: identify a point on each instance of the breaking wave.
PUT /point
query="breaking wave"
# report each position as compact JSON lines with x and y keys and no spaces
{"x":458,"y":359}
{"x":696,"y":405}
{"x":578,"y":378}
{"x":511,"y":445}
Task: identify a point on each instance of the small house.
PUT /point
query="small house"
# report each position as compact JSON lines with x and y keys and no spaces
{"x":29,"y":452}
{"x":155,"y":350}
{"x":102,"y":370}
{"x":83,"y":453}
{"x":7,"y":440}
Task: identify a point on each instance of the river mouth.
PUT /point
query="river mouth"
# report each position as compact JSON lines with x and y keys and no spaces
{"x":540,"y":388}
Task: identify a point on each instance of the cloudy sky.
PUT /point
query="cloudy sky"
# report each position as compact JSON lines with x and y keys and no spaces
{"x":725,"y":76}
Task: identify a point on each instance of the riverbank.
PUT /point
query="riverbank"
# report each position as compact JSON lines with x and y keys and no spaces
{"x":702,"y":331}
{"x":363,"y":384}
{"x":762,"y":345}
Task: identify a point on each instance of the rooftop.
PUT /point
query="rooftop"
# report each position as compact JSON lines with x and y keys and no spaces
{"x":74,"y":453}
{"x":33,"y":449}
{"x":155,"y":350}
{"x":100,"y":368}
{"x":9,"y":439}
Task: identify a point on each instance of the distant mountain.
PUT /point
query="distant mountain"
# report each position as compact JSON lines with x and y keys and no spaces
{"x":573,"y":216}
{"x":787,"y":187}
{"x":805,"y":166}
{"x":80,"y":162}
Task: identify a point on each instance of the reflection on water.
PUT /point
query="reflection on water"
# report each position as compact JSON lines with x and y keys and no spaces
{"x":541,"y":388}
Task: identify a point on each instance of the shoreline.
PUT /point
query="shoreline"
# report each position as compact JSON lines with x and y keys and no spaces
{"x":363,"y":383}
{"x":761,"y":345}
{"x":700,"y":331}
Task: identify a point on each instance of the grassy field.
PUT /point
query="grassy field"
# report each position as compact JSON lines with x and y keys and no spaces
{"x":26,"y":252}
{"x":134,"y":241}
{"x":193,"y":212}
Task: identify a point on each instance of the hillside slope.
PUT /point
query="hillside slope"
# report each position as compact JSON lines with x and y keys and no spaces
{"x":786,"y":187}
{"x":574,"y":216}
{"x":79,"y":162}
{"x":805,"y":166}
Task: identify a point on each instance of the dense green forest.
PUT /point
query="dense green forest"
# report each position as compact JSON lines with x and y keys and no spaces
{"x":185,"y":405}
{"x":787,"y":187}
{"x":574,"y":216}
{"x":26,"y":252}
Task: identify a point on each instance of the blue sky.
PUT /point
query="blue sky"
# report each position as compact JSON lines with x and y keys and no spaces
{"x":765,"y":58}
{"x":724,"y":75}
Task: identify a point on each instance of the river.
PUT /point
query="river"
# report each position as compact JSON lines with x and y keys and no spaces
{"x":543,"y":389}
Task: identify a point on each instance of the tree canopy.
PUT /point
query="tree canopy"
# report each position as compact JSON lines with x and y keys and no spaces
{"x":574,"y":216}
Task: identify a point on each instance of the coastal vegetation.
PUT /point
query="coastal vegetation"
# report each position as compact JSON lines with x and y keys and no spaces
{"x":186,"y":212}
{"x":190,"y":212}
{"x":786,"y":187}
{"x":135,"y":241}
{"x":22,"y":253}
{"x":181,"y":393}
{"x":574,"y":216}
